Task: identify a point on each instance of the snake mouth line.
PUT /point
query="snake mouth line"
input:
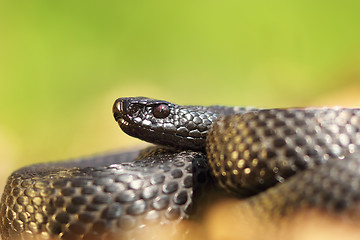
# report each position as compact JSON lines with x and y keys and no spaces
{"x":122,"y":122}
{"x":152,"y":136}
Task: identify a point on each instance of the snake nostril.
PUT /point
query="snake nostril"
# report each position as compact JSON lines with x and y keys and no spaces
{"x":118,"y":108}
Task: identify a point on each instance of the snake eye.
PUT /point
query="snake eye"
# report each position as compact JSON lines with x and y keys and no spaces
{"x":161,"y":111}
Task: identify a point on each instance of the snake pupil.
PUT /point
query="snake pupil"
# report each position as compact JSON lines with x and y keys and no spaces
{"x":161,"y":111}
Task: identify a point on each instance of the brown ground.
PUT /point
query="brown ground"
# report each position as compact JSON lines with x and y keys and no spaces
{"x":227,"y":220}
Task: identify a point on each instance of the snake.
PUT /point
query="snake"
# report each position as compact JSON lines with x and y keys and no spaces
{"x":278,"y":161}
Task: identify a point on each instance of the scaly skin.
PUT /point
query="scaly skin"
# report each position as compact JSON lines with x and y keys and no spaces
{"x":282,"y":160}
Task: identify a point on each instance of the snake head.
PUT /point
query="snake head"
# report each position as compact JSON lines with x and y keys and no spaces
{"x":162,"y":122}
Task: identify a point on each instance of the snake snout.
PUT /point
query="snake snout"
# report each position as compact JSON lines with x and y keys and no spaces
{"x":117,"y":109}
{"x":120,"y":108}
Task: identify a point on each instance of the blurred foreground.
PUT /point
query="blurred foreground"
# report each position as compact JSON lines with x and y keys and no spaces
{"x":228,"y":221}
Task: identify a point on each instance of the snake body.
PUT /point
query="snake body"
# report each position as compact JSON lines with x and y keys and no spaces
{"x":281,"y":160}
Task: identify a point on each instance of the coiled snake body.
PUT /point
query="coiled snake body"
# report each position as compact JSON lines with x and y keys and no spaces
{"x":281,"y":159}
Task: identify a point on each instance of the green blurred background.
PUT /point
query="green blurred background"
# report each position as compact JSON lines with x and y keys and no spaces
{"x":63,"y":63}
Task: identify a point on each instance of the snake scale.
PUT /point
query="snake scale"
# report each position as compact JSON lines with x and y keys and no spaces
{"x":280,"y":160}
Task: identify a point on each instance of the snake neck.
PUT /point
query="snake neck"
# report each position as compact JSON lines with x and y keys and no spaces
{"x":164,"y":123}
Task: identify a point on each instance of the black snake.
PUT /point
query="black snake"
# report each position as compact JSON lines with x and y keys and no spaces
{"x":310,"y":154}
